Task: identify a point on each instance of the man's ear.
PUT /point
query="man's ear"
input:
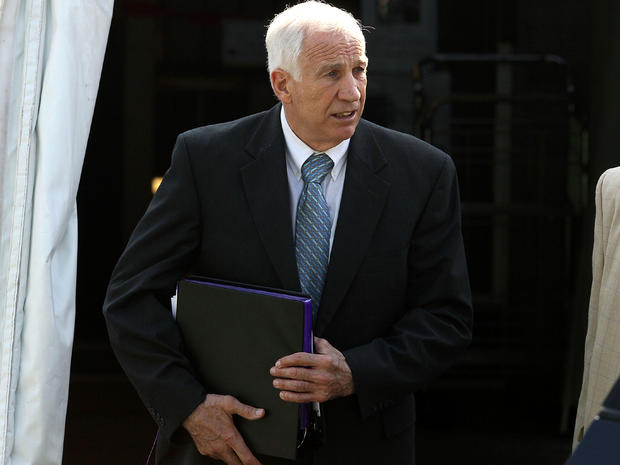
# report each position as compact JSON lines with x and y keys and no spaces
{"x":280,"y":83}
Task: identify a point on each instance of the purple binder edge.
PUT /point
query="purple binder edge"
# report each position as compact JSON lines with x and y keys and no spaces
{"x":304,"y":409}
{"x":308,"y":343}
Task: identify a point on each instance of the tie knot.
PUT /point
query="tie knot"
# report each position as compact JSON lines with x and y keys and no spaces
{"x":316,"y":167}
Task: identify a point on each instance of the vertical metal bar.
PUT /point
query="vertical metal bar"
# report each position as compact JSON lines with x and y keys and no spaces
{"x":502,"y":141}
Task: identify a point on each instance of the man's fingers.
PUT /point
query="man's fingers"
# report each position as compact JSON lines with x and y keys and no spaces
{"x":292,"y":385}
{"x":242,"y":451}
{"x":230,"y":458}
{"x":321,"y":346}
{"x":233,"y":450}
{"x":214,"y":433}
{"x":303,"y":377}
{"x":302,"y":397}
{"x":297,"y":373}
{"x":298,"y":359}
{"x":292,"y":390}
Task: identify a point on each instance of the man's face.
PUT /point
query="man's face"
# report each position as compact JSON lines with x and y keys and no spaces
{"x":326,"y":104}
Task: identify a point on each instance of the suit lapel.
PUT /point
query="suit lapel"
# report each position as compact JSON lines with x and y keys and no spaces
{"x":362,"y":202}
{"x":266,"y":188}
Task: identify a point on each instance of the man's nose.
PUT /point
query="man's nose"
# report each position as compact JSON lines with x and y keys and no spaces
{"x":349,"y":89}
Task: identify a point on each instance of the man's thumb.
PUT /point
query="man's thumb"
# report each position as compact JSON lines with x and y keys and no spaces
{"x":248,"y":412}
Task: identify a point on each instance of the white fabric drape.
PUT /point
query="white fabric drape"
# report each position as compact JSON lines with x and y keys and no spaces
{"x":51,"y":53}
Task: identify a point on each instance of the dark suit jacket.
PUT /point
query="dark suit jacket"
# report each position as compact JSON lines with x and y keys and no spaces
{"x":396,"y":300}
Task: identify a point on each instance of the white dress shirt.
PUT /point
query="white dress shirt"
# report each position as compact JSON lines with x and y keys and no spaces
{"x":297,"y":152}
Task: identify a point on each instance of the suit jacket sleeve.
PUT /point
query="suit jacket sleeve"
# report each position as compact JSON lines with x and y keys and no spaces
{"x":142,"y":330}
{"x":437,"y":323}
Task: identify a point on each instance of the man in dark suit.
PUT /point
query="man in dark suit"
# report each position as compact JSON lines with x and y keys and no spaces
{"x":393,"y":295}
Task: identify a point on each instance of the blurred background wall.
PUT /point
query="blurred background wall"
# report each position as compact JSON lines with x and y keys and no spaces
{"x":525,"y":96}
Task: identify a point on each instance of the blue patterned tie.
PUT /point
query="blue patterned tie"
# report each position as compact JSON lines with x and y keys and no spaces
{"x":313,"y":228}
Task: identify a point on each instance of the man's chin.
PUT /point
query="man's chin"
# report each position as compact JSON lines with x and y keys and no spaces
{"x":347,"y":131}
{"x":347,"y":128}
{"x":336,"y":136}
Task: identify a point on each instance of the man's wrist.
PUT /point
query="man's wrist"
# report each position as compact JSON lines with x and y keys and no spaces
{"x":192,"y":422}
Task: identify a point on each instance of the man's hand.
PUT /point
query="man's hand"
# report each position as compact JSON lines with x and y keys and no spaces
{"x":213,"y":431}
{"x":318,"y":377}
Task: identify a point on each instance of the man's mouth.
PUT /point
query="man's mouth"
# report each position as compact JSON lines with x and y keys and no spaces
{"x":345,"y":114}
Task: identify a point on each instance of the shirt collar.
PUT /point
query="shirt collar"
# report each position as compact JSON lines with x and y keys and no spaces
{"x":297,"y":152}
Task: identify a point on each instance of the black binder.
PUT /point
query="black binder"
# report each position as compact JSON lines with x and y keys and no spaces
{"x":234,"y":334}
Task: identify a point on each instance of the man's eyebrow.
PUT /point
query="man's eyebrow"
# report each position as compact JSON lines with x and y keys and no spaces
{"x":328,"y":66}
{"x":338,"y":65}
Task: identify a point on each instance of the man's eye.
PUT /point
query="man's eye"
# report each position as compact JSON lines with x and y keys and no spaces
{"x":331,"y":74}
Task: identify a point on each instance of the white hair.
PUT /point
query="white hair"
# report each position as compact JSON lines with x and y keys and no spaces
{"x":289,"y":28}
